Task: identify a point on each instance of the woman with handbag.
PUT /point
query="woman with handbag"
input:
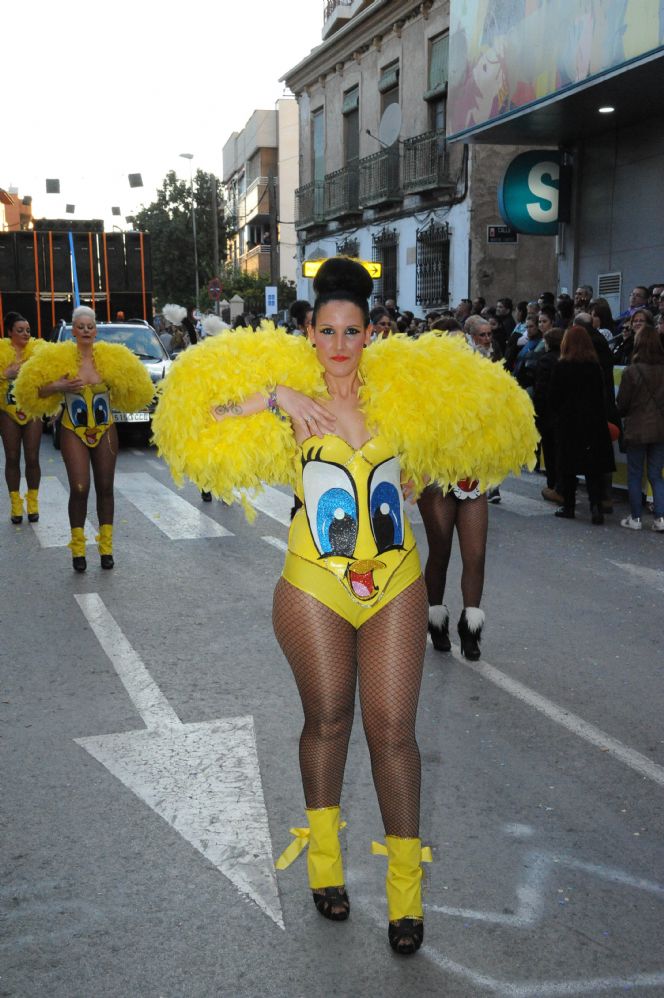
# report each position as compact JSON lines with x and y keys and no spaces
{"x":641,"y":403}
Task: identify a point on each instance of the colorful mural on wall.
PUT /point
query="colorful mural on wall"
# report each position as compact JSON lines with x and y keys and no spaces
{"x":507,"y":54}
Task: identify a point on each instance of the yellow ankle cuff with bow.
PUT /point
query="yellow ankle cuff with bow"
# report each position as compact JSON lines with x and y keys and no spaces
{"x":77,"y":542}
{"x":403,"y":883}
{"x":324,"y":862}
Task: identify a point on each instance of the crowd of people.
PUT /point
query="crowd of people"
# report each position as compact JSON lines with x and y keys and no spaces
{"x":579,"y":414}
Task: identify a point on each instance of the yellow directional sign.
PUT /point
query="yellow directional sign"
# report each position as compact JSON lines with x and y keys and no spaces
{"x":311,"y":267}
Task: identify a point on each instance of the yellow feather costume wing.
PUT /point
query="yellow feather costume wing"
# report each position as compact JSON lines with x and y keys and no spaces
{"x":8,"y":354}
{"x":239,"y":452}
{"x":448,"y":412}
{"x":130,"y":386}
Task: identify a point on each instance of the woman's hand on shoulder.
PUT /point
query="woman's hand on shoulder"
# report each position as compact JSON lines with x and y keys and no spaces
{"x":305,"y":412}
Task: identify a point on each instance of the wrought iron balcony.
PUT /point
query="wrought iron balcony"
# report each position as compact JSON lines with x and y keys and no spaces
{"x":342,"y":190}
{"x":331,"y":6}
{"x":309,"y":205}
{"x":425,"y":162}
{"x":379,"y":177}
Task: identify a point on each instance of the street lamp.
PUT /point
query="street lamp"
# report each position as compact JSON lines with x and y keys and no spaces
{"x":190,"y":156}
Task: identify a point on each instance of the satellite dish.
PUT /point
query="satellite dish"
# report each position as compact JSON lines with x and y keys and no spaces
{"x":390,"y":125}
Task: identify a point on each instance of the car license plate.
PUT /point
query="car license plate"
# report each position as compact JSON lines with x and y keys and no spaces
{"x":132,"y":417}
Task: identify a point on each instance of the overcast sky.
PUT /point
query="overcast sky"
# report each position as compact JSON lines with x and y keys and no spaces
{"x":94,"y":92}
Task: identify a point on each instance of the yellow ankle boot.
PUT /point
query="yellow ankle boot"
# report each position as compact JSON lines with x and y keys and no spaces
{"x":32,"y":498}
{"x":105,"y":544}
{"x":77,"y":548}
{"x":324,"y":862}
{"x":16,"y":507}
{"x":404,"y":891}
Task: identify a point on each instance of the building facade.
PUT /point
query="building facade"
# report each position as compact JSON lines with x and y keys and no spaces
{"x":378,"y":179}
{"x":593,"y":94}
{"x":260,"y":176}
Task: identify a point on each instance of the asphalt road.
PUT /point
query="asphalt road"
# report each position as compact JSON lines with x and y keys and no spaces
{"x":141,"y":864}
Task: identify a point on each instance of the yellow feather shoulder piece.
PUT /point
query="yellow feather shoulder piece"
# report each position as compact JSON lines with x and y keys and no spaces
{"x":129,"y":384}
{"x":237,"y":452}
{"x":447,"y":411}
{"x":8,"y":354}
{"x":50,"y":362}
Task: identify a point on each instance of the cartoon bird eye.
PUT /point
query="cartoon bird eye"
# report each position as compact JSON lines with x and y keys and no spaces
{"x":78,"y":411}
{"x":100,"y":409}
{"x":11,"y":400}
{"x":331,"y":505}
{"x":386,"y":505}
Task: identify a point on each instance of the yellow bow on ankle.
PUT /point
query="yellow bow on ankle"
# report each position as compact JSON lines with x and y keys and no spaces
{"x":297,"y":846}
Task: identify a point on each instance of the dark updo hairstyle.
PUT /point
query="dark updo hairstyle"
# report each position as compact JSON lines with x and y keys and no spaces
{"x":11,"y":319}
{"x":342,"y":279}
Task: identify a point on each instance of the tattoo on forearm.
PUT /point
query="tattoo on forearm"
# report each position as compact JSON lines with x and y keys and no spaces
{"x":230,"y":409}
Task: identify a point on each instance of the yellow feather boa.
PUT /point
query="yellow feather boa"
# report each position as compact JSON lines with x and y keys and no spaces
{"x":129,"y":384}
{"x":446,"y":411}
{"x":8,"y":354}
{"x":234,"y":453}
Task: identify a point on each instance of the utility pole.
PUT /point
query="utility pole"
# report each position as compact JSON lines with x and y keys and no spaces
{"x":274,"y":245}
{"x":215,"y":233}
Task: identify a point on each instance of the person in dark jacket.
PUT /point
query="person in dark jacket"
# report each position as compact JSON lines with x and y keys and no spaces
{"x":546,"y":362}
{"x":641,"y":402}
{"x":577,"y":398}
{"x":189,"y":323}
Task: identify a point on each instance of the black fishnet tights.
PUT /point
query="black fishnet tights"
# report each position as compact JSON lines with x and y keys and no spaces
{"x":441,"y":512}
{"x":327,"y":655}
{"x":13,"y":436}
{"x":78,"y":458}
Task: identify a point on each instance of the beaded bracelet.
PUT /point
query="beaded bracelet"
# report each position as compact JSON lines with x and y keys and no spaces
{"x":273,"y":406}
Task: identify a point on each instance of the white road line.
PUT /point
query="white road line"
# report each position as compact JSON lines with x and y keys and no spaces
{"x":53,"y":530}
{"x":158,"y":465}
{"x":273,"y":503}
{"x":276,"y":542}
{"x":152,"y":705}
{"x":566,"y":719}
{"x":174,"y":516}
{"x":650,"y":577}
{"x":514,"y":502}
{"x":137,"y":453}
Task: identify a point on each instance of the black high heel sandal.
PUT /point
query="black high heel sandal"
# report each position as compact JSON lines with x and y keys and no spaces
{"x":332,"y":903}
{"x":79,"y":563}
{"x":107,"y":561}
{"x":406,"y":935}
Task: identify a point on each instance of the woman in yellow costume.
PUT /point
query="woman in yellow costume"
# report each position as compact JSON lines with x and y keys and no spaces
{"x":345,"y":427}
{"x":16,"y":428}
{"x":84,"y":379}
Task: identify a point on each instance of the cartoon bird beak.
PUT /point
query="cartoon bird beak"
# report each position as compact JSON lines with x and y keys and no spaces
{"x":360,"y":576}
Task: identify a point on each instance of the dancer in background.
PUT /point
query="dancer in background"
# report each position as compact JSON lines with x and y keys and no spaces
{"x":16,"y":428}
{"x":82,"y":380}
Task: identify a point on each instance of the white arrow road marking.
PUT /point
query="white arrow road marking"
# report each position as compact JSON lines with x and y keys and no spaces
{"x":174,"y":516}
{"x":203,"y":779}
{"x":651,"y":577}
{"x":566,"y":719}
{"x":52,"y":529}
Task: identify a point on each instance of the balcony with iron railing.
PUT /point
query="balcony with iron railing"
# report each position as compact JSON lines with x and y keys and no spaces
{"x":336,"y":13}
{"x":309,"y":205}
{"x":379,"y":177}
{"x":424,"y":164}
{"x":342,"y":192}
